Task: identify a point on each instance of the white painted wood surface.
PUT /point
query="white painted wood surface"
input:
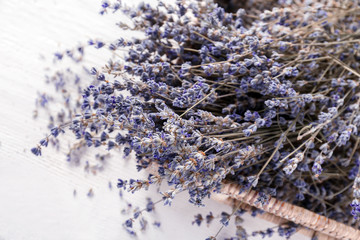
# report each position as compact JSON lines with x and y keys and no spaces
{"x":36,"y":193}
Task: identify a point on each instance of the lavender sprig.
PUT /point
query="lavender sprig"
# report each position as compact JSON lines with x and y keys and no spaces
{"x":269,"y":101}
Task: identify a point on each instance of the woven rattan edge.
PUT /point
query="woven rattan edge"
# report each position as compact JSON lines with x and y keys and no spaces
{"x":311,"y":223}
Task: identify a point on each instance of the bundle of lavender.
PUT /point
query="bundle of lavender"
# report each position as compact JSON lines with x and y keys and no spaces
{"x":266,"y":97}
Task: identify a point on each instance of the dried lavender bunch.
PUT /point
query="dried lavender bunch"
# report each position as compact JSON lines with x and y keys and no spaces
{"x":270,"y":101}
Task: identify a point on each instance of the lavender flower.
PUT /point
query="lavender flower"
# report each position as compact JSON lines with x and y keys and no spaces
{"x":268,"y":102}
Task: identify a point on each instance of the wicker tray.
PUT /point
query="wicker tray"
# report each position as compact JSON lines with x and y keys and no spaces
{"x":279,"y":212}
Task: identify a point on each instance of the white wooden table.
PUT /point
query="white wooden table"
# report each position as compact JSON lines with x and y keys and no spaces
{"x":36,"y":193}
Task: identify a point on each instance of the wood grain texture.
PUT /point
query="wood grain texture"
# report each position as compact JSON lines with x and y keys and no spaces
{"x":36,"y":194}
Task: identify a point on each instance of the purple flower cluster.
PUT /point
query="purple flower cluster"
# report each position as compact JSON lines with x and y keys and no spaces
{"x":270,"y":102}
